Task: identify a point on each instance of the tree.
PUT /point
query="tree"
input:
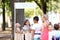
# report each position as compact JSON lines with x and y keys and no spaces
{"x":3,"y":7}
{"x":12,"y":8}
{"x":47,"y":5}
{"x":28,"y":13}
{"x":6,"y":8}
{"x":41,"y":5}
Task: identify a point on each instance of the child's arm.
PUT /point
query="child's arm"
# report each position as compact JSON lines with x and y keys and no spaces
{"x":32,"y":32}
{"x":54,"y":38}
{"x":29,"y":30}
{"x":41,"y":28}
{"x":17,"y":30}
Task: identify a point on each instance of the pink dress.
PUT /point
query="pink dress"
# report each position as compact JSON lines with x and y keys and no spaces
{"x":44,"y":35}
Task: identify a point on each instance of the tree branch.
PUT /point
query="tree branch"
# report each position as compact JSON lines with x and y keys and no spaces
{"x":37,"y":4}
{"x":44,"y":6}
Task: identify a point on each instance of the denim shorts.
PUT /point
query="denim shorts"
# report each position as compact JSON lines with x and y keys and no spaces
{"x":36,"y":38}
{"x":56,"y":38}
{"x":37,"y":34}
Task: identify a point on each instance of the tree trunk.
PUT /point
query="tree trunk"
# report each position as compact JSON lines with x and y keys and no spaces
{"x":3,"y":7}
{"x":12,"y":8}
{"x":44,"y":6}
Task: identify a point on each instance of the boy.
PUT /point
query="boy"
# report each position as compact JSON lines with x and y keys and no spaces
{"x":36,"y":28}
{"x":55,"y":34}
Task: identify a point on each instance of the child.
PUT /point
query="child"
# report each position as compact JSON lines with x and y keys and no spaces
{"x":55,"y":33}
{"x":36,"y":29}
{"x":44,"y":34}
{"x":26,"y":30}
{"x":17,"y":27}
{"x":26,"y":27}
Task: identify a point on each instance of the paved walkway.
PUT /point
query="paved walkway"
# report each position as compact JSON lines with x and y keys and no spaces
{"x":5,"y":36}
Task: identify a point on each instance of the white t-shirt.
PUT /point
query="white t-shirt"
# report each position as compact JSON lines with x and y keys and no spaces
{"x":55,"y":33}
{"x":37,"y":28}
{"x":26,"y":28}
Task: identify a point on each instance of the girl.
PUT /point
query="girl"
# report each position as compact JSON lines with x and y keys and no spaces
{"x":44,"y":34}
{"x":26,"y":27}
{"x":26,"y":30}
{"x":17,"y":27}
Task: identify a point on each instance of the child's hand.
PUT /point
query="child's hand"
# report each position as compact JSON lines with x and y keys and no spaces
{"x":54,"y":37}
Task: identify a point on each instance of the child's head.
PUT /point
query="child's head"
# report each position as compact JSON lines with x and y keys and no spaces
{"x":26,"y":22}
{"x":56,"y":26}
{"x":36,"y":19}
{"x":44,"y":17}
{"x":17,"y":25}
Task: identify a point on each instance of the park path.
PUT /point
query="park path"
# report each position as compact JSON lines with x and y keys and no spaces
{"x":5,"y":36}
